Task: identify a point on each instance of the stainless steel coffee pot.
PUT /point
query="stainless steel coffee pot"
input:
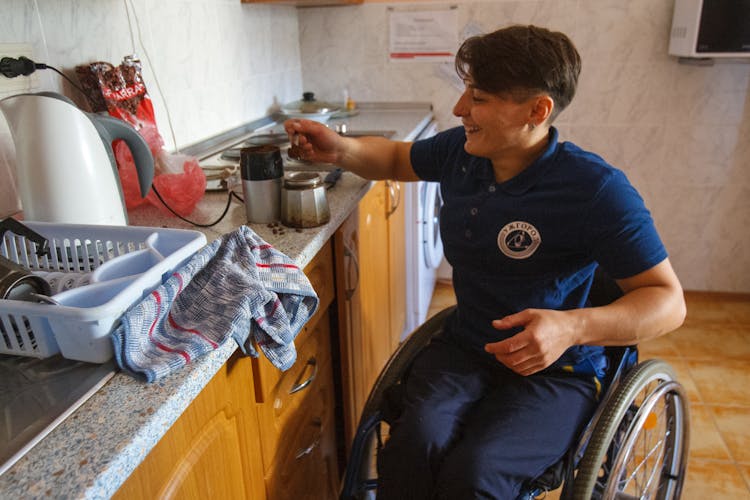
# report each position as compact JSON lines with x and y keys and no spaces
{"x":303,"y":200}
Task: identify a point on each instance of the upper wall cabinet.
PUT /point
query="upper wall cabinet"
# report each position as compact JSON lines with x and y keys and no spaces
{"x":307,"y":3}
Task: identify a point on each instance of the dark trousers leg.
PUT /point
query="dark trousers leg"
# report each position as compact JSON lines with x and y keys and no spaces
{"x":518,"y":430}
{"x":473,"y":429}
{"x":442,"y":387}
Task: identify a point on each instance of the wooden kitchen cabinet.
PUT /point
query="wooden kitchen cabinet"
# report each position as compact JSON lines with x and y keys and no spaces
{"x":212,"y":450}
{"x":396,"y":261}
{"x":255,"y":432}
{"x":298,"y":422}
{"x":296,"y":407}
{"x":371,"y":291}
{"x":351,"y":342}
{"x":304,"y":460}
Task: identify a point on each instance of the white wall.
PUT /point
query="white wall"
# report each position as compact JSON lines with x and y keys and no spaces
{"x":219,"y":63}
{"x":681,"y":133}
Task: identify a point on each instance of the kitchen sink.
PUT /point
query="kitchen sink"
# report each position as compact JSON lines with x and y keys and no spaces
{"x":38,"y":394}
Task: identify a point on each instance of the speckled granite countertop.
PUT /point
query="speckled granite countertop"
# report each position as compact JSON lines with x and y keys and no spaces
{"x":92,"y":452}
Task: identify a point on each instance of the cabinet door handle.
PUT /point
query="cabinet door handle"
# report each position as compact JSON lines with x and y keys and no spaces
{"x":306,"y":451}
{"x":298,"y":386}
{"x":394,"y":194}
{"x":351,"y":287}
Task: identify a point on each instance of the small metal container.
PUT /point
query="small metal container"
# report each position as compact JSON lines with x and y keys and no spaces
{"x":303,"y":201}
{"x":261,"y":169}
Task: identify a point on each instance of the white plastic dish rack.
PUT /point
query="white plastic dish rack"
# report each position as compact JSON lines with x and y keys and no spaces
{"x":96,"y":274}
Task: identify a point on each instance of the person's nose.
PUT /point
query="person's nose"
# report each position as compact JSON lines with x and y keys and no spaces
{"x":461,"y":108}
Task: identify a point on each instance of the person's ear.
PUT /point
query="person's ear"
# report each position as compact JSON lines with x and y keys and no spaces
{"x":541,"y":110}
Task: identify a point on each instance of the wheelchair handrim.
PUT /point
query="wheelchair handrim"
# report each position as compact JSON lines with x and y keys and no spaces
{"x":669,"y":453}
{"x":586,"y":481}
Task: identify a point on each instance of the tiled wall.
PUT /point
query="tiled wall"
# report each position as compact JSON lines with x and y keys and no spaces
{"x":681,"y":133}
{"x":219,"y":63}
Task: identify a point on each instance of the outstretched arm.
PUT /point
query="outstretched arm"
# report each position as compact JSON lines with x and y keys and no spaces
{"x":653,"y":304}
{"x":368,"y":157}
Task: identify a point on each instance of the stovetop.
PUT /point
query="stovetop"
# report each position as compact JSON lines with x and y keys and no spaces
{"x":222,"y":167}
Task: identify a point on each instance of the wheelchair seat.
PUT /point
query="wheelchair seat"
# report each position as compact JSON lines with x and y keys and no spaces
{"x":634,"y":446}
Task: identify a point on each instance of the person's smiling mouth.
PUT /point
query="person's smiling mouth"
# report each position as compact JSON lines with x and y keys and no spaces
{"x":471,"y":129}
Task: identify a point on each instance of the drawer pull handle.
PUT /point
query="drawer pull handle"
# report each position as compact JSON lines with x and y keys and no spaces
{"x":352,"y":267}
{"x":394,"y":196}
{"x":298,"y":386}
{"x":306,"y":451}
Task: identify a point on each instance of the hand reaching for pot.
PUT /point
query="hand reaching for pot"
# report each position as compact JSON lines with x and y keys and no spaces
{"x":313,"y":141}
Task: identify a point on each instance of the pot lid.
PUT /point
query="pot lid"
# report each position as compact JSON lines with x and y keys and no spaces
{"x":309,"y":105}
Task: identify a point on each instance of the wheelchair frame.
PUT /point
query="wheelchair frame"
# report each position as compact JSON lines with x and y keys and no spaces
{"x":617,"y":455}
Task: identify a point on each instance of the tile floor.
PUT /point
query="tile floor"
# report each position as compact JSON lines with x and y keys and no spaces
{"x":711,"y":355}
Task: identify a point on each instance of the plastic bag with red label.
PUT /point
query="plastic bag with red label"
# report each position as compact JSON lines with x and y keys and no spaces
{"x":120,"y":91}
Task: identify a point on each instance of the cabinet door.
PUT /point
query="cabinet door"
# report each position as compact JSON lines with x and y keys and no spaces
{"x":212,"y":450}
{"x":306,"y":466}
{"x":346,"y":245}
{"x":372,"y":310}
{"x":396,"y":261}
{"x":374,"y":279}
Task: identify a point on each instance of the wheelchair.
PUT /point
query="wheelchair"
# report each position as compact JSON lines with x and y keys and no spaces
{"x":635,"y":446}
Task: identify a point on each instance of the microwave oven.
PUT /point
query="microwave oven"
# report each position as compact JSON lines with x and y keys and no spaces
{"x":710,"y":28}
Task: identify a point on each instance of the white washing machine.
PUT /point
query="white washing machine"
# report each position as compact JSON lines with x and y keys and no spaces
{"x":424,"y":249}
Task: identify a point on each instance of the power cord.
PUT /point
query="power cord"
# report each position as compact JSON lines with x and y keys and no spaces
{"x":11,"y":67}
{"x":231,"y":195}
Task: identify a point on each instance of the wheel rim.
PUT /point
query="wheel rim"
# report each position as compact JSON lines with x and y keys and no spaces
{"x":601,"y":470}
{"x":651,"y":457}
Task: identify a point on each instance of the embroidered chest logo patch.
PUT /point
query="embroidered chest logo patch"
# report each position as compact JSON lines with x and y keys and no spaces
{"x":518,"y":240}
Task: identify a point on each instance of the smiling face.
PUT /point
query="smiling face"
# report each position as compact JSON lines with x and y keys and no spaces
{"x":517,"y":80}
{"x":495,"y":126}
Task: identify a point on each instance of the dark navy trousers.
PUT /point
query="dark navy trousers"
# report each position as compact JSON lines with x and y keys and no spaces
{"x":471,"y":428}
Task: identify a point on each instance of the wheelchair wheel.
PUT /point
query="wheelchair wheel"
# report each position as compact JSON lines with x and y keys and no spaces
{"x":639,"y":446}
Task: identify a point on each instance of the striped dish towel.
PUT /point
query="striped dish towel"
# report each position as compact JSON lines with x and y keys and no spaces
{"x":239,"y":286}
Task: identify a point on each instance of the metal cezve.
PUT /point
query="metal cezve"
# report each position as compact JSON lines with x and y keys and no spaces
{"x":303,"y":200}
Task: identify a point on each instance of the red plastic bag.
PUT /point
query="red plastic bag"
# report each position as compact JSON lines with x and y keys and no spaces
{"x":120,"y":91}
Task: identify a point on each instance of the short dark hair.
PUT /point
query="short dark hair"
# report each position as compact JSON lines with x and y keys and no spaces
{"x":520,"y":61}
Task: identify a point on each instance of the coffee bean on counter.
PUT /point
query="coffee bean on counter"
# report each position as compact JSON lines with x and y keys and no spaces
{"x":297,"y":230}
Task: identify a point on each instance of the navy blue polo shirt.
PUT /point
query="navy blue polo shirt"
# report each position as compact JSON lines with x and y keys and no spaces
{"x":533,"y":241}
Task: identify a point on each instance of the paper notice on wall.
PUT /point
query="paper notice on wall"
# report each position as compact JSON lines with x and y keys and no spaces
{"x":447,"y":70}
{"x":423,"y":35}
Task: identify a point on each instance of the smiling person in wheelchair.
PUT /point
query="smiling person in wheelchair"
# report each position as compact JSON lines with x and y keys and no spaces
{"x":503,"y":391}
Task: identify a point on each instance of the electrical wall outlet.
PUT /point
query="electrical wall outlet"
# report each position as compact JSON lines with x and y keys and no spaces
{"x":19,"y":84}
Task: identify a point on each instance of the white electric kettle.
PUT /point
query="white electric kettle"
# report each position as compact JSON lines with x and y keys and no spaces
{"x":65,"y":167}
